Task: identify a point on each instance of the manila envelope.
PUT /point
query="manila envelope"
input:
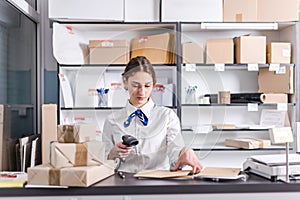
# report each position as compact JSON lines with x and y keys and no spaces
{"x":219,"y":172}
{"x":161,"y":174}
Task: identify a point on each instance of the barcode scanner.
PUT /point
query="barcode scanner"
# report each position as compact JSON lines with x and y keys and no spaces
{"x":129,"y":140}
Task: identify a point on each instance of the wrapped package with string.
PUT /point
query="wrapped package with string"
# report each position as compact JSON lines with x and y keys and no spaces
{"x":76,"y":133}
{"x":74,"y":155}
{"x":69,"y":176}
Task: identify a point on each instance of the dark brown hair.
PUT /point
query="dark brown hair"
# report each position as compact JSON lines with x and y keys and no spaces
{"x":139,"y":64}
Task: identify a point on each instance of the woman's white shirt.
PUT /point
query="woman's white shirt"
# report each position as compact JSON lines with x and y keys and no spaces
{"x":160,"y":141}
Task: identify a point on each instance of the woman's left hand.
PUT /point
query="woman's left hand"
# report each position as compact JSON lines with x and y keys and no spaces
{"x":188,"y":157}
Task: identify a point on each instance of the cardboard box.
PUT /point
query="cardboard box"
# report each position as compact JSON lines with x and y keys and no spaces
{"x":250,"y":49}
{"x":278,"y":10}
{"x":159,"y":49}
{"x":276,"y":82}
{"x":248,"y":143}
{"x":69,"y":176}
{"x":109,"y":51}
{"x":192,"y":53}
{"x":260,"y":10}
{"x":220,"y":50}
{"x":76,"y":133}
{"x":240,"y":10}
{"x":49,"y":129}
{"x":279,"y":52}
{"x":192,"y":10}
{"x":71,"y":154}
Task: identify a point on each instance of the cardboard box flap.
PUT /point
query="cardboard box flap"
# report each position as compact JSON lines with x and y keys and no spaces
{"x":108,"y":43}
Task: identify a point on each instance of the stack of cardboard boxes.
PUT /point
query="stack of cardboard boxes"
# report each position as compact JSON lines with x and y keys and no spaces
{"x":275,"y":82}
{"x":159,"y":49}
{"x":75,"y":159}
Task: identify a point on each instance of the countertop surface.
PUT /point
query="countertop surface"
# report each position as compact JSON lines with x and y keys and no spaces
{"x":115,"y":185}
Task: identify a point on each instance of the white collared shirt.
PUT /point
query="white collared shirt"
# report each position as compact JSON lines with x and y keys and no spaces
{"x":160,"y":141}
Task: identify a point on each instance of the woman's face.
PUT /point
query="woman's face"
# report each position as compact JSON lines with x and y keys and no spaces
{"x":139,"y":86}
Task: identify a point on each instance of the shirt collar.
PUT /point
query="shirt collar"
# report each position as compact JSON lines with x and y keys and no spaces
{"x":145,"y":108}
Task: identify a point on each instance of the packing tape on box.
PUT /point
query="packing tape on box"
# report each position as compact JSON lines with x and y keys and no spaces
{"x":81,"y":155}
{"x":274,"y":98}
{"x":69,"y":134}
{"x":54,"y":176}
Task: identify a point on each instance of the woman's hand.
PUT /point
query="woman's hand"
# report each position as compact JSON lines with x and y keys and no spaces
{"x":188,"y":157}
{"x":119,"y":151}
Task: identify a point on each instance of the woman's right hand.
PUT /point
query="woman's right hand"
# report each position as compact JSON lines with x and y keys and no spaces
{"x":119,"y":151}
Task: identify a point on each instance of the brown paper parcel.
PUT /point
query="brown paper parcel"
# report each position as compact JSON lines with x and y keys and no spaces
{"x":71,"y":154}
{"x":69,"y":176}
{"x":76,"y":133}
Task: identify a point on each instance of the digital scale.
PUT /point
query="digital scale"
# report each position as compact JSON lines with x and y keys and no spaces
{"x":273,"y":166}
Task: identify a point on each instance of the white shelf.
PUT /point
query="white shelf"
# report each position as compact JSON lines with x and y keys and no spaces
{"x":235,"y":26}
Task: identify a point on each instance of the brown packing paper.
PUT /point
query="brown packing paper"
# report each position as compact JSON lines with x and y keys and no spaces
{"x":69,"y":176}
{"x":70,"y":154}
{"x":76,"y":133}
{"x":161,"y":174}
{"x":274,"y":98}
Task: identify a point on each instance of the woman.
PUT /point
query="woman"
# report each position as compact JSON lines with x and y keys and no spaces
{"x":157,"y":128}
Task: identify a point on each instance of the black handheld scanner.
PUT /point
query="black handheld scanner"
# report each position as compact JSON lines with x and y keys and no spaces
{"x":129,"y":140}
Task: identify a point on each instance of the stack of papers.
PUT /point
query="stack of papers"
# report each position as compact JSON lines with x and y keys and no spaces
{"x":12,"y":179}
